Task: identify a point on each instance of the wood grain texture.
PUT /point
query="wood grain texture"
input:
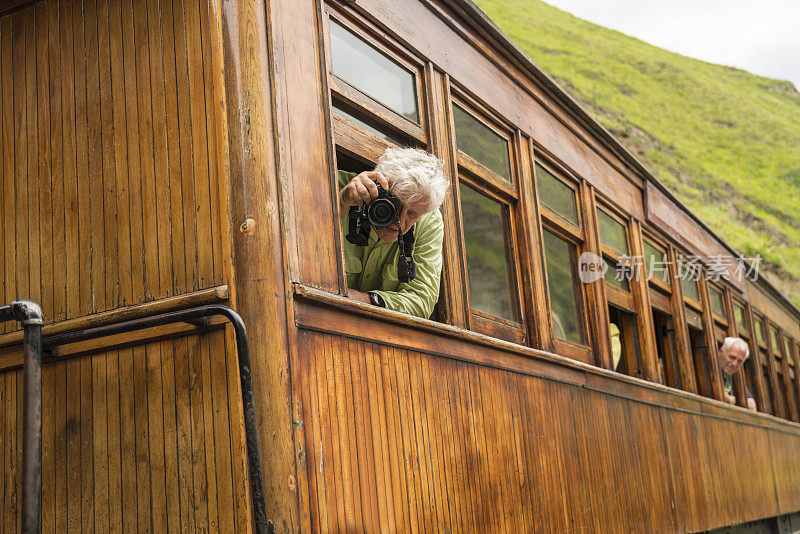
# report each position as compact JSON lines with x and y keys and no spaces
{"x":105,"y":141}
{"x":135,"y":439}
{"x":410,"y":441}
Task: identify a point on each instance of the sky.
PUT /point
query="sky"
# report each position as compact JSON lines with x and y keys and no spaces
{"x":759,"y":36}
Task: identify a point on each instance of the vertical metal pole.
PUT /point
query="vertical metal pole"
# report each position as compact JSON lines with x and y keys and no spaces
{"x":32,"y":429}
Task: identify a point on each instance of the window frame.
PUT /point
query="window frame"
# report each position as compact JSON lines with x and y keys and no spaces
{"x":552,"y":221}
{"x":617,"y":296}
{"x":652,"y":281}
{"x":350,"y":97}
{"x":765,"y":354}
{"x":496,"y":188}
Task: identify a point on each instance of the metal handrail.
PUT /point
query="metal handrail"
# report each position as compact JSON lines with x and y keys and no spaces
{"x":29,"y":314}
{"x":192,"y":316}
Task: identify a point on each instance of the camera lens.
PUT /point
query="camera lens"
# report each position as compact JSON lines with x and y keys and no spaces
{"x":382,"y":213}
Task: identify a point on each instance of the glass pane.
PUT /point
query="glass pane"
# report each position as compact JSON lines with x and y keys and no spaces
{"x":760,"y":331}
{"x":656,"y":263}
{"x":741,"y":325}
{"x":358,"y":122}
{"x":689,"y":287}
{"x":562,"y":283}
{"x":488,"y":266}
{"x":612,"y":232}
{"x":616,"y":275}
{"x":481,"y":142}
{"x":787,"y":349}
{"x":776,"y":343}
{"x":556,"y":195}
{"x":715,"y":297}
{"x":365,"y":68}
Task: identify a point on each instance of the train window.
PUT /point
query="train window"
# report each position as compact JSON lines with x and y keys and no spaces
{"x":655,"y":261}
{"x":666,"y":348}
{"x":787,"y":349}
{"x":566,"y":301}
{"x":626,"y":355}
{"x":741,"y":320}
{"x":762,"y":339}
{"x":715,"y":299}
{"x":363,"y":66}
{"x":481,"y":142}
{"x":776,"y":343}
{"x":623,"y":331}
{"x":612,"y":232}
{"x":488,"y":204}
{"x":489,"y":267}
{"x":771,"y":402}
{"x":700,"y":355}
{"x":689,"y":287}
{"x":556,"y":195}
{"x":615,"y":274}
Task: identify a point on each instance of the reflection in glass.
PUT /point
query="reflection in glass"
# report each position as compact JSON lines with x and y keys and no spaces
{"x":365,"y":68}
{"x":715,"y":297}
{"x":488,"y":265}
{"x":760,"y":331}
{"x":338,"y":111}
{"x":655,"y":262}
{"x":563,"y":286}
{"x":741,"y":325}
{"x":612,"y":232}
{"x":689,"y":286}
{"x":776,"y":344}
{"x":617,"y":275}
{"x":481,"y":143}
{"x":556,"y":195}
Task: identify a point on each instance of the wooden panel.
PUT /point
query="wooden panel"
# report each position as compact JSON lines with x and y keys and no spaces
{"x":403,"y":440}
{"x":109,"y":149}
{"x":145,"y":437}
{"x":302,"y":105}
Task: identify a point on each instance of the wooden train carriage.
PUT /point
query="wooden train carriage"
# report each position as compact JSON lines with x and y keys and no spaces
{"x":160,"y":154}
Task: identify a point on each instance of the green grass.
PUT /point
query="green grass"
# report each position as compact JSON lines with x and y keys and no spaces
{"x":725,"y":141}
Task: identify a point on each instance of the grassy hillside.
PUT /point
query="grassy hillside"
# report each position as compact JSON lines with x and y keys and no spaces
{"x":725,"y":141}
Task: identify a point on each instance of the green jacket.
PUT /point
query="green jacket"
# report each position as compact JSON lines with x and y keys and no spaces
{"x":373,"y":268}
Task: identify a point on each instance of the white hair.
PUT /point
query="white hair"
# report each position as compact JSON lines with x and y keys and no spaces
{"x":729,"y":342}
{"x":413,"y":175}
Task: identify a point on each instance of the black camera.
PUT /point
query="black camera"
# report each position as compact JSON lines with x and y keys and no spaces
{"x":382,"y":212}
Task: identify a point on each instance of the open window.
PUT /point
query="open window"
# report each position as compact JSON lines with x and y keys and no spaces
{"x":488,"y":199}
{"x":376,"y":94}
{"x":689,"y":274}
{"x":659,"y":272}
{"x":626,"y":356}
{"x":785,"y":381}
{"x":750,"y":368}
{"x":562,"y":244}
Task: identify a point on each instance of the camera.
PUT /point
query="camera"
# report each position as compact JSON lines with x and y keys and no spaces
{"x":382,"y":212}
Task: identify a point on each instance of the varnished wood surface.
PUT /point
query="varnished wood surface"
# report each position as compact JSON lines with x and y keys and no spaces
{"x":141,"y":439}
{"x":403,"y":439}
{"x":110,"y":191}
{"x":399,"y":439}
